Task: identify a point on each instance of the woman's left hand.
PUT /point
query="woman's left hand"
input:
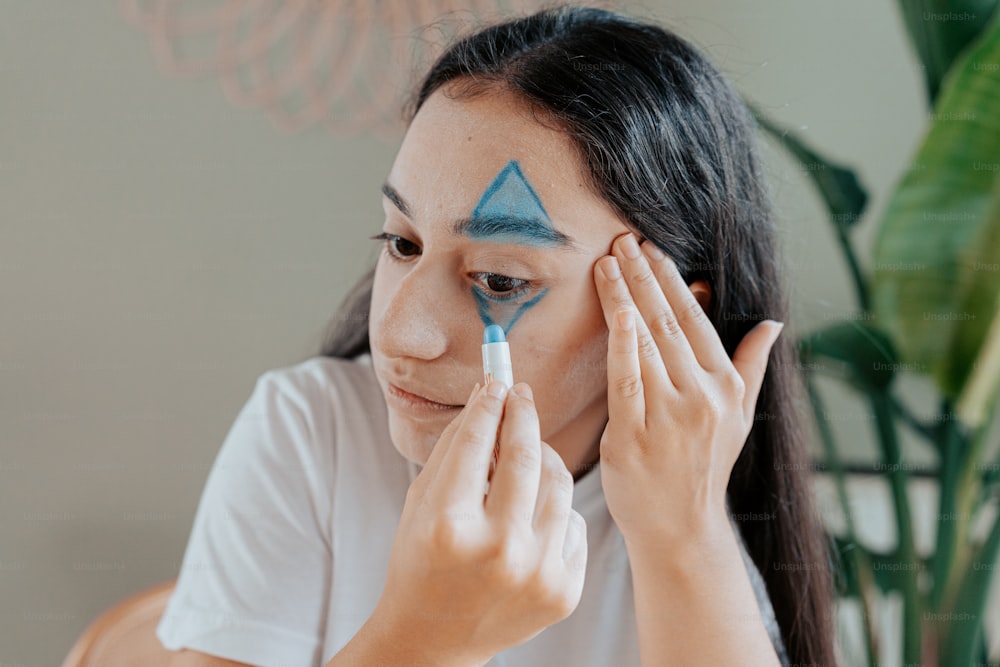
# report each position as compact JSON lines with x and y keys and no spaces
{"x":679,"y":410}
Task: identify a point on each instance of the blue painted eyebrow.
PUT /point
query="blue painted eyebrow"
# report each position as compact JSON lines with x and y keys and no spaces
{"x":515,"y":229}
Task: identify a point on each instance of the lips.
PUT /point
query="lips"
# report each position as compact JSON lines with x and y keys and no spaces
{"x":417,"y":395}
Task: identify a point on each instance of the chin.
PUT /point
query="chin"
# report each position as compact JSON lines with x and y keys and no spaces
{"x":414,"y":440}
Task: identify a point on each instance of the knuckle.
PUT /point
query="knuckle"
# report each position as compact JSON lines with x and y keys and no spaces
{"x":647,"y":348}
{"x":491,"y":404}
{"x":551,"y":460}
{"x":560,"y":480}
{"x":646,"y":278}
{"x":734,"y":384}
{"x":445,"y":535}
{"x":524,"y":459}
{"x":506,"y":566}
{"x":665,"y":325}
{"x":692,"y":312}
{"x":628,"y":386}
{"x":467,"y":439}
{"x":713,"y":409}
{"x":621,"y":300}
{"x":559,"y":603}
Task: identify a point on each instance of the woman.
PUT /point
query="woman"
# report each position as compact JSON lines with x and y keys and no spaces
{"x":589,"y":183}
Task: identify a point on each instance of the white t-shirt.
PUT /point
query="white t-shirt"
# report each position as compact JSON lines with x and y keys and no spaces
{"x":290,"y":545}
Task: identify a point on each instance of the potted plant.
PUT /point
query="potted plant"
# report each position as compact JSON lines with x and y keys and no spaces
{"x":929,"y":306}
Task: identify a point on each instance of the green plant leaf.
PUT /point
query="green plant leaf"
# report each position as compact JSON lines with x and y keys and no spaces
{"x":838,"y":186}
{"x":865,"y":355}
{"x":940,"y":30}
{"x":975,"y":349}
{"x":929,"y":294}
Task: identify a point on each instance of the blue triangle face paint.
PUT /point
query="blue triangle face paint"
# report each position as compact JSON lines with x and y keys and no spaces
{"x":510,"y":211}
{"x":510,"y":193}
{"x":503,"y":313}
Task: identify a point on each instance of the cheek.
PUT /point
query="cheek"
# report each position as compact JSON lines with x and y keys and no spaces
{"x":575,"y":378}
{"x":566,"y":363}
{"x":381,"y":288}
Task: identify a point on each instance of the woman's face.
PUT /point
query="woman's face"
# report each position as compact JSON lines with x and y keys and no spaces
{"x":490,"y":222}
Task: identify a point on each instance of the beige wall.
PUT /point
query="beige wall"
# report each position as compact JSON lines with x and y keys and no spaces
{"x":160,"y":249}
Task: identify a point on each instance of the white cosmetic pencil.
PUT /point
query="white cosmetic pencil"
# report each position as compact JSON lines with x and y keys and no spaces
{"x":496,"y":366}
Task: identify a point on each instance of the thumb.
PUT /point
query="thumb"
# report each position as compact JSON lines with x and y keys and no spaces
{"x":750,"y":360}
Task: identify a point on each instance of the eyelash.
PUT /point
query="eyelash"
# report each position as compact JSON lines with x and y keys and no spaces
{"x":388,"y":241}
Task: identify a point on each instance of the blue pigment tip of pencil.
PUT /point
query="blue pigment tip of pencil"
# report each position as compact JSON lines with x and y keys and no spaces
{"x":493,"y":334}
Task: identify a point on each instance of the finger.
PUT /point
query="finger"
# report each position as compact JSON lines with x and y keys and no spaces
{"x":698,"y":328}
{"x":657,"y":312}
{"x":568,"y":563}
{"x":463,"y":468}
{"x":615,"y":297}
{"x":555,"y":499}
{"x":514,"y":487}
{"x":626,"y":396}
{"x":750,"y":361}
{"x":574,"y":554}
{"x":575,"y":544}
{"x":430,"y":469}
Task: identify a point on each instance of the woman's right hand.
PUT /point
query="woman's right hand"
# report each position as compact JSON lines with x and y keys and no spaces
{"x":471,"y":576}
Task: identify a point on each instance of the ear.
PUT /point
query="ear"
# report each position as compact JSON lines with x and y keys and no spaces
{"x":703,"y":293}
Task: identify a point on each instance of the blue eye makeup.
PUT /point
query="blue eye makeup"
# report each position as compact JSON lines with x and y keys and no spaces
{"x":503,"y":313}
{"x":499,"y":289}
{"x":509,"y":212}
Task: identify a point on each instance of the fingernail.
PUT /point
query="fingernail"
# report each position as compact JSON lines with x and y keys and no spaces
{"x":523,"y":390}
{"x":496,"y":388}
{"x":609,"y":267}
{"x":473,"y":394}
{"x":652,"y":252}
{"x":630,"y":247}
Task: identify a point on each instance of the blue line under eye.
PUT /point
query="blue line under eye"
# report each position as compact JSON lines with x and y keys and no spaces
{"x":518,"y":290}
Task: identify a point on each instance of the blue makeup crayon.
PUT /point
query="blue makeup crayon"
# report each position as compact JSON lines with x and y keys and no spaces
{"x":496,"y":356}
{"x":496,"y":366}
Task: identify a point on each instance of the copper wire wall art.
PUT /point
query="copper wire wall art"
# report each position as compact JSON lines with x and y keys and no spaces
{"x":345,"y":65}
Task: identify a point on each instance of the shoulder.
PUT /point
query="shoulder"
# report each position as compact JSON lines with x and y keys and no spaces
{"x":326,"y":404}
{"x":322,"y":385}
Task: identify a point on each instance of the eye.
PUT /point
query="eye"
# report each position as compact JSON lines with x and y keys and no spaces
{"x":397,"y":247}
{"x":498,"y":287}
{"x":502,"y":288}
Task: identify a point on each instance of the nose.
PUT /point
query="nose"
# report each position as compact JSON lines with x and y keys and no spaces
{"x":415,"y":319}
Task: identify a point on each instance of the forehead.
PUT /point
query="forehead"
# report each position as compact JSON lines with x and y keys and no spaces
{"x":455,"y":149}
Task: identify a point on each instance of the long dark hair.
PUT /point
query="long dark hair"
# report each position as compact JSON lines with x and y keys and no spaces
{"x":670,"y":145}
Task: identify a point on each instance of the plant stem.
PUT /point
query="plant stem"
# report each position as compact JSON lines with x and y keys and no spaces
{"x":862,"y":563}
{"x":967,"y":496}
{"x":926,"y":431}
{"x":891,"y":454}
{"x":974,"y":591}
{"x":991,"y":474}
{"x":947,"y":521}
{"x":857,"y":277}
